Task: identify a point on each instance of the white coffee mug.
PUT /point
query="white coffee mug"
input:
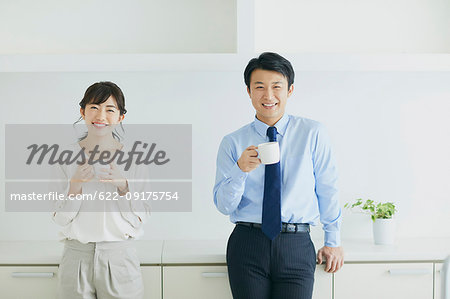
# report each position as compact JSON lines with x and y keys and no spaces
{"x":269,"y":152}
{"x":98,"y":169}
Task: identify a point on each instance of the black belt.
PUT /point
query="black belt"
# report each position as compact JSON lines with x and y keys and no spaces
{"x":285,"y":227}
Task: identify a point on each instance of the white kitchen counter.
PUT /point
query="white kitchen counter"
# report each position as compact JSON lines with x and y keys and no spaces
{"x":50,"y":252}
{"x":176,"y":252}
{"x":415,"y":249}
{"x":213,"y":251}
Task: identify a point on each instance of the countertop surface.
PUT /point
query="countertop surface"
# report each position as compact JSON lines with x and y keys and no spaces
{"x":50,"y":252}
{"x":174,"y":252}
{"x":357,"y":250}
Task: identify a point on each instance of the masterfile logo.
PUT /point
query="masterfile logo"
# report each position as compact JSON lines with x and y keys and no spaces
{"x":156,"y":161}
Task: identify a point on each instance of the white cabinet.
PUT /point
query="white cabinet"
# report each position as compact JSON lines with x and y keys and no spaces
{"x":212,"y":282}
{"x":41,"y":282}
{"x":323,"y":284}
{"x":437,"y":280}
{"x":152,"y":282}
{"x":28,"y":282}
{"x":368,"y":281}
{"x":169,"y":26}
{"x":186,"y":282}
{"x":387,"y":281}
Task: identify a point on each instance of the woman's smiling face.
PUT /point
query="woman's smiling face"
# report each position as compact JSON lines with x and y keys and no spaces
{"x":102,"y":118}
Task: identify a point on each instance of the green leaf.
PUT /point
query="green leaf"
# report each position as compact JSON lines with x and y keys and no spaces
{"x":375,"y":210}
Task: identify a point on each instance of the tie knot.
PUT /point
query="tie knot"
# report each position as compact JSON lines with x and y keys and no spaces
{"x":272,"y":133}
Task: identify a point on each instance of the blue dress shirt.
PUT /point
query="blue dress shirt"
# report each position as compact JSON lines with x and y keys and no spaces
{"x":308,"y":175}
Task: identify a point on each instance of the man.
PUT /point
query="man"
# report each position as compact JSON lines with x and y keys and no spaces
{"x":270,"y":253}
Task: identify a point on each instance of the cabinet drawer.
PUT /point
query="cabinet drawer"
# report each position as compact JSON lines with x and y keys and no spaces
{"x":28,"y":282}
{"x":151,"y":276}
{"x":387,"y":281}
{"x":196,"y":282}
{"x":323,"y":283}
{"x":212,"y":282}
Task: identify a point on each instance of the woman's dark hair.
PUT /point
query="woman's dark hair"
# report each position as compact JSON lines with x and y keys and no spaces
{"x":99,"y":93}
{"x":271,"y":62}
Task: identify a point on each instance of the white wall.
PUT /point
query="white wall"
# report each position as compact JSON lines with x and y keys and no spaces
{"x":353,"y":26}
{"x":387,"y":116}
{"x":390,"y":131}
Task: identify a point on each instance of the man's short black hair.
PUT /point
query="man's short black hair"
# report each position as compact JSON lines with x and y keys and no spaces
{"x":271,"y":62}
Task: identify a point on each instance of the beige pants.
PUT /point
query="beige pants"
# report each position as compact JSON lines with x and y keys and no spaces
{"x":100,"y":270}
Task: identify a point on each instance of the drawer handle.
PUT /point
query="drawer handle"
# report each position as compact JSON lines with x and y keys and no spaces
{"x":409,"y":271}
{"x":214,"y":274}
{"x":32,"y":274}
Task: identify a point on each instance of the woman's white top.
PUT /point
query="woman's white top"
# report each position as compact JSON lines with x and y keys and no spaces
{"x":76,"y":217}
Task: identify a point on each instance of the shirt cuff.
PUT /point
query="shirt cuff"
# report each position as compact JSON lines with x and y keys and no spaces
{"x":126,"y":210}
{"x":237,"y":176}
{"x":333,"y":239}
{"x":65,"y":211}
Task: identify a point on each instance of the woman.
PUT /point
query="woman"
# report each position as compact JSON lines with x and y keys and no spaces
{"x":99,"y":258}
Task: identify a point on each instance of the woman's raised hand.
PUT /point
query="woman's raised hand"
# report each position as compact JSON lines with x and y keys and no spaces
{"x":84,"y":173}
{"x":114,"y":176}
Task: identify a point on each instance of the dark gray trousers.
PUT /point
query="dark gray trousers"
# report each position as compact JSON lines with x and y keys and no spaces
{"x":259,"y":268}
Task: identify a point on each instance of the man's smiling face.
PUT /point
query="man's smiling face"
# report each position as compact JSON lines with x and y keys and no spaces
{"x":269,"y":93}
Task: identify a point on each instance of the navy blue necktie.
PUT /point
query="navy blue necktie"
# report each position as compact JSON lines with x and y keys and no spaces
{"x":271,"y":213}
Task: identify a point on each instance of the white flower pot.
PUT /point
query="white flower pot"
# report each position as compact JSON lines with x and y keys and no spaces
{"x":384,"y":231}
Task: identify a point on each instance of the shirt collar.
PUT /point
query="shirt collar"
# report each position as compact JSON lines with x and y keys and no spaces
{"x":281,"y":125}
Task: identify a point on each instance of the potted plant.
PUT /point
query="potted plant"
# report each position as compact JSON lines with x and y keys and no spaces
{"x":381,"y":214}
